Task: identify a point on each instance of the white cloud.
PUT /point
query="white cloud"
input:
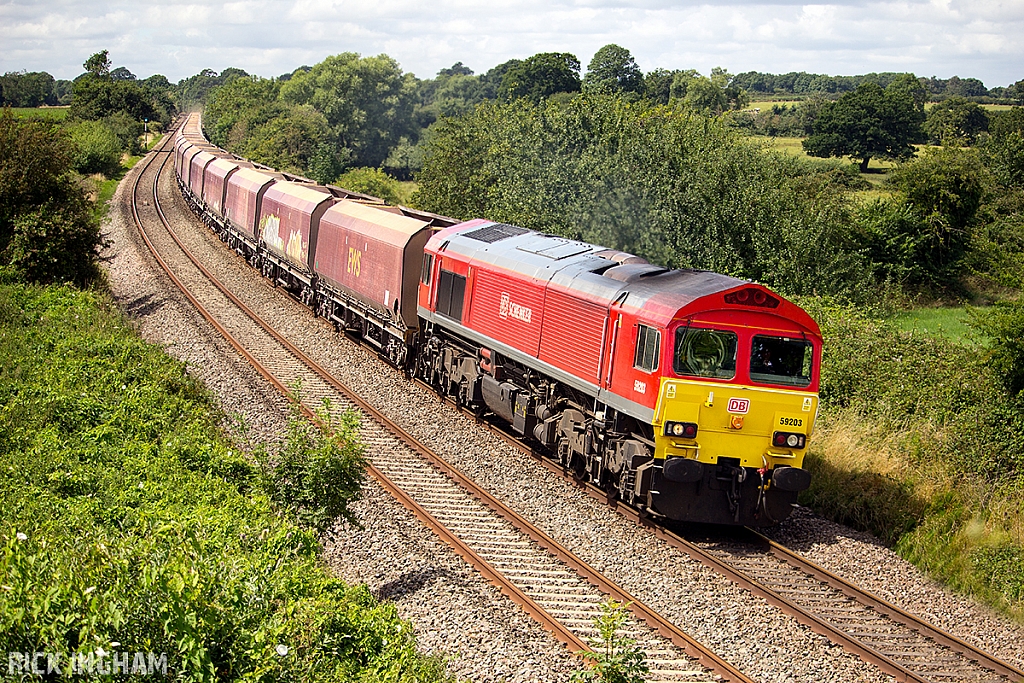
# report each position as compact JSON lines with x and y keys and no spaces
{"x":969,"y":38}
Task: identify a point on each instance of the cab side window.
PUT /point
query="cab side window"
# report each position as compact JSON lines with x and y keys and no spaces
{"x":648,"y":349}
{"x":428,"y":266}
{"x":451,"y":289}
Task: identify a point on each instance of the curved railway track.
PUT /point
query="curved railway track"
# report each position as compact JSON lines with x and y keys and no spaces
{"x":899,"y":643}
{"x":554,"y":586}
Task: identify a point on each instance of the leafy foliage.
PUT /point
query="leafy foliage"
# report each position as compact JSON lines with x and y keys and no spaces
{"x":371,"y":181}
{"x":613,"y":69}
{"x":367,"y":102}
{"x":541,"y":76}
{"x":47,"y":232}
{"x":95,"y":97}
{"x":946,"y":188}
{"x":955,"y":120}
{"x":96,"y":148}
{"x":27,"y":89}
{"x":128,"y":519}
{"x":316,"y":475}
{"x":193,"y":91}
{"x":1004,"y":326}
{"x":940,"y":409}
{"x":616,"y":659}
{"x":672,"y":185}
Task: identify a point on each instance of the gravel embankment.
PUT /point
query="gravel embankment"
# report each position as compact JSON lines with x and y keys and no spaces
{"x":864,"y":560}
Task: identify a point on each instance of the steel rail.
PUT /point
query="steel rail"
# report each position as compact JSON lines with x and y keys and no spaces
{"x":892,"y":611}
{"x":668,"y":630}
{"x":740,"y":578}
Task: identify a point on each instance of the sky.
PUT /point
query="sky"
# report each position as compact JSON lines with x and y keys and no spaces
{"x":982,"y":39}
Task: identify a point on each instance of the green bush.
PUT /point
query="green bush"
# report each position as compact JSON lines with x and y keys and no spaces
{"x":47,"y":231}
{"x":314,"y":476}
{"x":55,"y":242}
{"x":939,"y":462}
{"x":128,"y":131}
{"x":946,"y":188}
{"x":371,"y":181}
{"x":1004,"y":326}
{"x":130,"y":524}
{"x":95,"y":148}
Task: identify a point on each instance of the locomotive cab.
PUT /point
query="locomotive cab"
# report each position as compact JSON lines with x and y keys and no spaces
{"x":735,"y":410}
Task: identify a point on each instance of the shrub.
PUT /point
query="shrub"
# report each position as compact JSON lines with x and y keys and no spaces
{"x":95,"y":148}
{"x":47,"y":232}
{"x":1004,"y":326}
{"x":55,"y":242}
{"x":371,"y":181}
{"x":127,"y":131}
{"x":317,"y":475}
{"x":615,"y":659}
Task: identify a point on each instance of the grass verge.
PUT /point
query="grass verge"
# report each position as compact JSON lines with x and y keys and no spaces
{"x":921,"y":444}
{"x":131,"y":525}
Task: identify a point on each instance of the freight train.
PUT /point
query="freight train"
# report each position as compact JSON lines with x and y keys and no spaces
{"x":688,"y":394}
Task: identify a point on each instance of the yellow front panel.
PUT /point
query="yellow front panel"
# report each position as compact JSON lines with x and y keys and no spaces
{"x":733,"y":421}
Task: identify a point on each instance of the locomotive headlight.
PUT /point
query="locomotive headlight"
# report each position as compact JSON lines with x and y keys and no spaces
{"x":789,"y":440}
{"x":682,"y":430}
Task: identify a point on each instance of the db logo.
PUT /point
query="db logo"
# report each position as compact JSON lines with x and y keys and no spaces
{"x":740,"y":406}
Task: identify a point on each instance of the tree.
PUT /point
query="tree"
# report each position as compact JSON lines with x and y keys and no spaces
{"x":367,"y":101}
{"x":98,"y":65}
{"x":866,"y":123}
{"x":955,"y":121}
{"x":658,"y":85}
{"x":194,"y":90}
{"x":540,"y":76}
{"x":27,"y":89}
{"x":1016,"y":92}
{"x":456,"y":69}
{"x":122,"y":74}
{"x":710,"y":95}
{"x":613,"y":69}
{"x":371,"y":181}
{"x":96,"y":148}
{"x":669,"y":184}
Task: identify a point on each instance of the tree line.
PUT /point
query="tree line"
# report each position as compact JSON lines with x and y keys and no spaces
{"x":803,"y":83}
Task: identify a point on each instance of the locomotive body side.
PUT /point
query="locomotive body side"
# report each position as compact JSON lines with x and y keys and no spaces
{"x":601,"y":359}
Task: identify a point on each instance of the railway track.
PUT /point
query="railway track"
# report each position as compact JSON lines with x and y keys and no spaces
{"x":899,"y":643}
{"x":555,"y":587}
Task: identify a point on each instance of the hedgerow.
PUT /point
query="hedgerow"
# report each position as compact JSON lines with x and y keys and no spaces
{"x":922,"y":442}
{"x":129,"y":524}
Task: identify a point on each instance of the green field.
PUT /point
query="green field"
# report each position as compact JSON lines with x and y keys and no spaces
{"x":41,"y":113}
{"x":949,"y":323}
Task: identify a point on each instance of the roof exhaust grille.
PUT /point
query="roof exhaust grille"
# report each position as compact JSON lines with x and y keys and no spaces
{"x":495,"y":232}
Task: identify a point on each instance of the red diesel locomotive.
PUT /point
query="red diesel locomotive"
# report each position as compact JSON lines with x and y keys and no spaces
{"x":685,"y":393}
